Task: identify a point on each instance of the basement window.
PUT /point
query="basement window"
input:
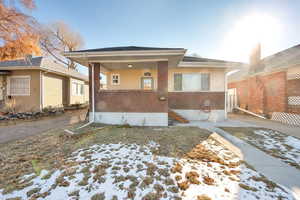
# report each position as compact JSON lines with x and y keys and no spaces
{"x":188,"y":82}
{"x":18,"y":86}
{"x":115,"y":79}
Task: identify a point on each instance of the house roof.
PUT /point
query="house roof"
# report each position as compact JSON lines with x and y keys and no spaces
{"x":128,"y":48}
{"x":41,"y":63}
{"x":200,"y":59}
{"x":283,"y":59}
{"x":35,"y":61}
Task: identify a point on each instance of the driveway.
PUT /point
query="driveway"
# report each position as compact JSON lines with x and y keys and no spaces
{"x":22,"y":130}
{"x":265,"y":123}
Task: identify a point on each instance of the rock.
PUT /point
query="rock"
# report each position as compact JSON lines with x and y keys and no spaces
{"x":207,"y":180}
{"x":183,"y":185}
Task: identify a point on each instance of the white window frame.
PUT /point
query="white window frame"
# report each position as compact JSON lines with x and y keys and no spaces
{"x":8,"y":85}
{"x":77,"y":90}
{"x":173,"y":85}
{"x":112,"y":79}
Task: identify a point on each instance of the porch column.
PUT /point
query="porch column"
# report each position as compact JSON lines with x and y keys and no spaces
{"x":96,"y":67}
{"x":97,"y":77}
{"x":162,"y":78}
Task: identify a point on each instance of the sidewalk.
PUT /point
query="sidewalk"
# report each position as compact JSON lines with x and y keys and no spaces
{"x":269,"y":166}
{"x":265,"y":123}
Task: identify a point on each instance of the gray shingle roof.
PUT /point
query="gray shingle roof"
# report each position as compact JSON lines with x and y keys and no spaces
{"x":44,"y":64}
{"x":36,"y":61}
{"x":127,"y":48}
{"x":198,"y":59}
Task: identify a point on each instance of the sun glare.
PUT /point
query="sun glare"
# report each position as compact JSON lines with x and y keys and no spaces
{"x":247,"y":32}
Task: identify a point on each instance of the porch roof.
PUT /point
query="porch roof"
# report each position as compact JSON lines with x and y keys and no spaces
{"x":127,"y":48}
{"x":127,"y":54}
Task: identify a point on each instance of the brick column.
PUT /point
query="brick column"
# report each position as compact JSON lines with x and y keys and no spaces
{"x":97,"y":77}
{"x":162,"y":78}
{"x":96,"y":67}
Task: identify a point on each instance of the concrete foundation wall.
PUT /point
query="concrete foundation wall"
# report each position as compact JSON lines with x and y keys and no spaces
{"x":191,"y":115}
{"x":134,"y":119}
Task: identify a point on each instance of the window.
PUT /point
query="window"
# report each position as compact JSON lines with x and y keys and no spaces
{"x":18,"y":86}
{"x":115,"y":79}
{"x":77,"y":89}
{"x":192,"y":82}
{"x":147,"y":83}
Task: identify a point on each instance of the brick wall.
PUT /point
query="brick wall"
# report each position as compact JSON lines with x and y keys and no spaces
{"x":195,"y":100}
{"x":242,"y":92}
{"x":275,"y":92}
{"x":262,"y":94}
{"x":129,"y":101}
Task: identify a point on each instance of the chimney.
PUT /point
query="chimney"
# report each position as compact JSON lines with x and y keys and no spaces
{"x":255,"y":58}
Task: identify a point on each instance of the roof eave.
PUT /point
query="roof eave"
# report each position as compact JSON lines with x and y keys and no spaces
{"x":125,"y":53}
{"x":209,"y":64}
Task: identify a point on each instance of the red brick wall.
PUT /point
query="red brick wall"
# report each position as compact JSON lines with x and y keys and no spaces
{"x":129,"y":101}
{"x":262,"y":94}
{"x":293,"y":87}
{"x":195,"y":100}
{"x":242,"y":92}
{"x":275,"y":92}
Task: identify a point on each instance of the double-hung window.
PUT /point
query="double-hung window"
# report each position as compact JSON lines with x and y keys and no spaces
{"x":77,"y":89}
{"x":18,"y":86}
{"x":115,"y":79}
{"x":189,"y":82}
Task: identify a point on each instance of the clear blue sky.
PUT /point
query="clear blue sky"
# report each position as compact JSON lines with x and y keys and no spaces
{"x":197,"y":25}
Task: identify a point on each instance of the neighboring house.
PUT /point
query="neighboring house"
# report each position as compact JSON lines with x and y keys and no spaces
{"x":270,"y":86}
{"x":34,"y":83}
{"x":144,"y":83}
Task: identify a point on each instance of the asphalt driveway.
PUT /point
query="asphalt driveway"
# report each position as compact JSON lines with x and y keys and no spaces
{"x":23,"y":130}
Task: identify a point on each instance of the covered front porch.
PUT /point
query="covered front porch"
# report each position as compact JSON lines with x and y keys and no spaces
{"x":136,"y":90}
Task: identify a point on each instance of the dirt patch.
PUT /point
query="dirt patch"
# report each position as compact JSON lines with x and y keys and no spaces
{"x":50,"y":150}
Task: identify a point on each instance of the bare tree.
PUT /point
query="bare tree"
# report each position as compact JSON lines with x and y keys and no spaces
{"x":57,"y":38}
{"x":18,"y":35}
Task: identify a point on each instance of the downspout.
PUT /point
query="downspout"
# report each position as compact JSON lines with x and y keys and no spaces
{"x":225,"y":100}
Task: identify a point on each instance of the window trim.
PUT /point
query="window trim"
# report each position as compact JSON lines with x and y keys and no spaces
{"x":8,"y":85}
{"x":152,"y":82}
{"x":210,"y":79}
{"x":119,"y":79}
{"x":77,"y":93}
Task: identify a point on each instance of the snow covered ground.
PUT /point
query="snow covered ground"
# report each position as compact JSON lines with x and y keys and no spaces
{"x":286,"y":148}
{"x":131,"y":171}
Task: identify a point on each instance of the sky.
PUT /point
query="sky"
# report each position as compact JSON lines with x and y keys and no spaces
{"x":219,"y":29}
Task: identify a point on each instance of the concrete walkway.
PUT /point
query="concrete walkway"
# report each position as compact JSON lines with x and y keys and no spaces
{"x":25,"y":129}
{"x":266,"y":123}
{"x":269,"y":166}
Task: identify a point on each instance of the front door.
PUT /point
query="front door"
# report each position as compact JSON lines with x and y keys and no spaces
{"x":147,"y":83}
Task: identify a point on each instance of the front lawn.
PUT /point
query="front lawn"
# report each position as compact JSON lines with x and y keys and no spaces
{"x":129,"y":163}
{"x":277,"y":144}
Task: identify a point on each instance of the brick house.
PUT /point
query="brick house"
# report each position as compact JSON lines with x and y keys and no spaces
{"x":270,"y":86}
{"x":145,"y":84}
